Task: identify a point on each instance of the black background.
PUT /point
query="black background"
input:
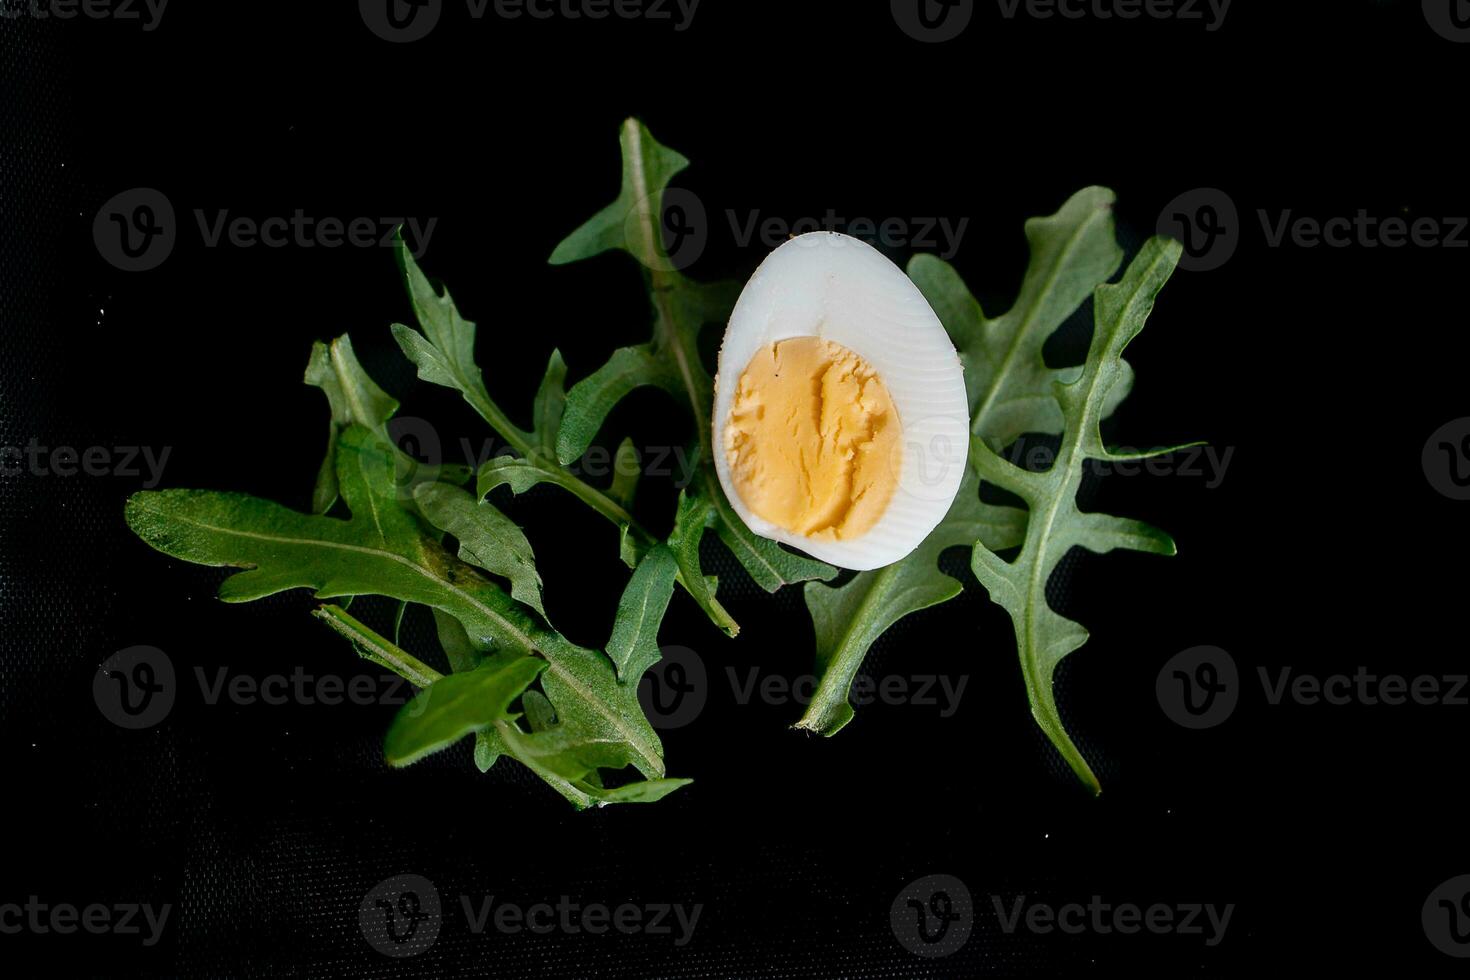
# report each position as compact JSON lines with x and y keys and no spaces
{"x":1323,"y":547}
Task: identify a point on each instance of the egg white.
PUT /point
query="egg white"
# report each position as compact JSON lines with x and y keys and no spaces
{"x":839,"y":288}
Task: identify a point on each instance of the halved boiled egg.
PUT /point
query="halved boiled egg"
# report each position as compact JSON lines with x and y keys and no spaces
{"x":841,"y":425}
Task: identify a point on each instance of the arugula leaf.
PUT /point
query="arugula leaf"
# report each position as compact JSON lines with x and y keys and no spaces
{"x":444,"y":354}
{"x":463,"y":655}
{"x":487,"y":538}
{"x":669,"y":361}
{"x":383,"y":550}
{"x":570,"y":762}
{"x":1009,"y":387}
{"x":1043,"y":637}
{"x":682,"y":307}
{"x":633,"y":645}
{"x":354,"y":399}
{"x":627,"y":468}
{"x":1012,"y":391}
{"x":478,"y":698}
{"x":454,"y":706}
{"x":584,"y":719}
{"x":848,"y":618}
{"x":693,"y":517}
{"x":1008,"y":380}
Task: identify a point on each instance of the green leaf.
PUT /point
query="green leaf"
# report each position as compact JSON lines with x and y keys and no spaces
{"x":540,"y":715}
{"x":537,"y":462}
{"x":354,"y":399}
{"x":848,"y":618}
{"x":1008,"y":381}
{"x":487,"y":538}
{"x":459,"y":650}
{"x":383,"y":550}
{"x":694,"y":515}
{"x":592,"y":398}
{"x":626,"y":471}
{"x":1012,"y":391}
{"x":444,"y":355}
{"x":454,"y":706}
{"x":1009,"y":386}
{"x":583,"y":687}
{"x":1043,"y":637}
{"x":631,"y":222}
{"x":398,"y":614}
{"x":669,"y":361}
{"x":445,"y":352}
{"x":549,"y":404}
{"x":633,"y":646}
{"x":570,"y":762}
{"x":463,"y":655}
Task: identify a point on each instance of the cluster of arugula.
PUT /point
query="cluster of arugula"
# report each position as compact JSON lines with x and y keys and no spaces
{"x":384,"y":524}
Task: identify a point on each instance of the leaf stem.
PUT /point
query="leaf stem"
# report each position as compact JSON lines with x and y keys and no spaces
{"x":561,"y":476}
{"x":828,"y":710}
{"x":371,"y":646}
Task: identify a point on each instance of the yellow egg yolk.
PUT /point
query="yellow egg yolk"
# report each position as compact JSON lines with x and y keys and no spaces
{"x":812,"y":440}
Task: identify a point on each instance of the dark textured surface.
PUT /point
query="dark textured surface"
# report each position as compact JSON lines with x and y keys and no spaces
{"x":263,"y":826}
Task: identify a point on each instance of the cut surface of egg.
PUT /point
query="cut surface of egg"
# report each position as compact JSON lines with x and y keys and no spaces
{"x":841,"y":425}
